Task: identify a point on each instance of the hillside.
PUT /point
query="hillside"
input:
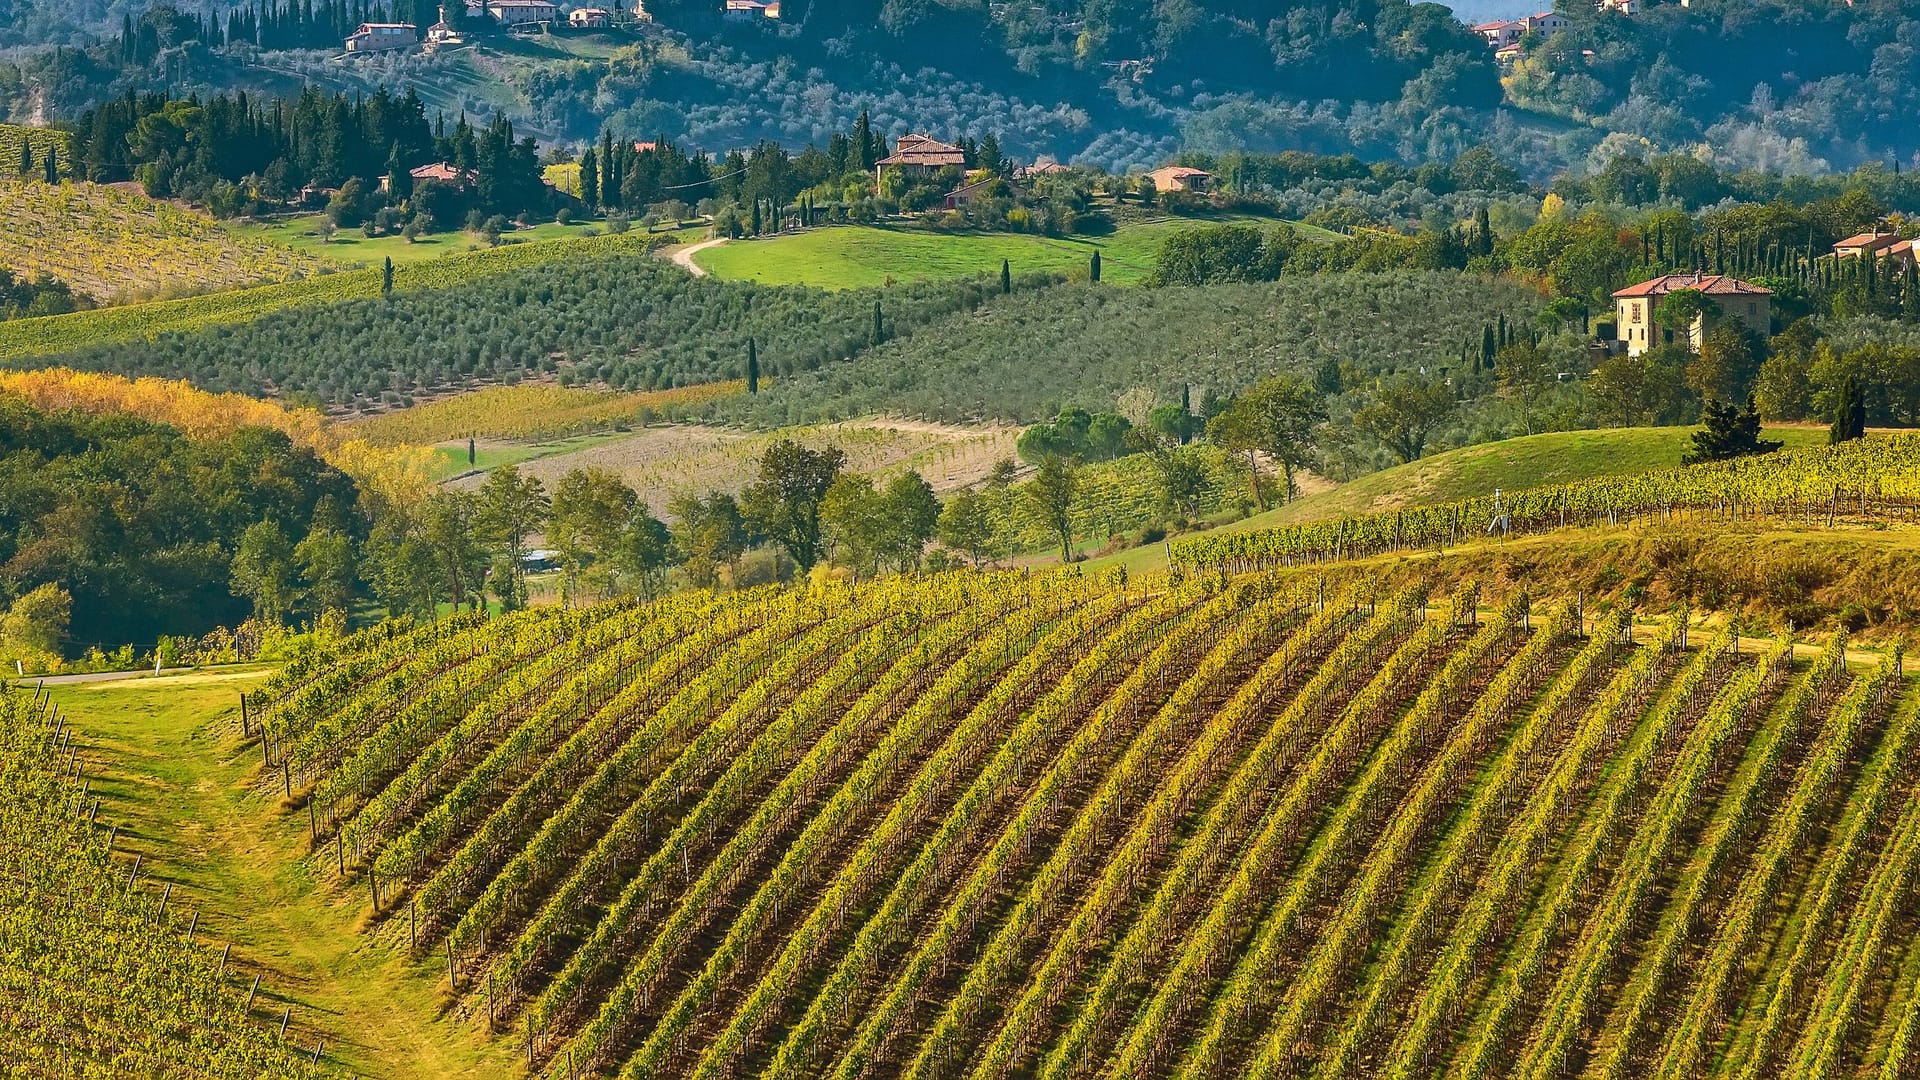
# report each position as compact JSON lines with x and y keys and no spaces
{"x":104,"y":977}
{"x":116,"y":246}
{"x":858,"y":256}
{"x":720,"y":836}
{"x":1529,"y":461}
{"x":664,"y":461}
{"x":1021,"y":358}
{"x":36,"y":141}
{"x":32,"y":340}
{"x":529,"y":411}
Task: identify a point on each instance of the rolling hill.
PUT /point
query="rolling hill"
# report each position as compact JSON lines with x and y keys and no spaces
{"x":117,"y":246}
{"x":1555,"y":457}
{"x":979,"y":825}
{"x":856,"y":256}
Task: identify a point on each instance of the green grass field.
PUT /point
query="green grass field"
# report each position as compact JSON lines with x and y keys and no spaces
{"x":858,"y":256}
{"x":1555,"y":457}
{"x":173,"y":774}
{"x":450,"y":459}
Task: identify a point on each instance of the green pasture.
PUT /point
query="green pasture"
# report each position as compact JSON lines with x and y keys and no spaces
{"x":861,"y":256}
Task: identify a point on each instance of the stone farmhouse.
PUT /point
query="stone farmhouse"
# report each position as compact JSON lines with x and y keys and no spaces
{"x":919,"y":155}
{"x":522,"y":12}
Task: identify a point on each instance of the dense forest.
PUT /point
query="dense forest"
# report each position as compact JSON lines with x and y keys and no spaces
{"x":139,"y":524}
{"x":1788,"y":84}
{"x":234,"y":152}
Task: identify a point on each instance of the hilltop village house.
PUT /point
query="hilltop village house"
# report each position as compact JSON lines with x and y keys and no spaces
{"x":1507,"y":32}
{"x":383,"y":37}
{"x":1875,"y":245}
{"x":522,"y":12}
{"x":750,"y":10}
{"x":442,"y":35}
{"x":1746,"y":302}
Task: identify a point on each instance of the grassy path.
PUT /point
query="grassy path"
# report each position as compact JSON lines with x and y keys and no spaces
{"x":172,"y":771}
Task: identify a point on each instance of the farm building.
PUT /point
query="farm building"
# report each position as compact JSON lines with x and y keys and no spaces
{"x":1742,"y":301}
{"x":966,"y":193}
{"x":749,"y":10}
{"x":590,"y":18}
{"x":442,"y":35}
{"x":522,"y":12}
{"x":383,"y":37}
{"x":920,"y":155}
{"x":1181,"y":178}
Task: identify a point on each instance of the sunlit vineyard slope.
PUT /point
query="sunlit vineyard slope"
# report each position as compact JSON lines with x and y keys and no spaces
{"x":1876,"y":479}
{"x":115,"y":245}
{"x":99,"y":976}
{"x":984,"y":825}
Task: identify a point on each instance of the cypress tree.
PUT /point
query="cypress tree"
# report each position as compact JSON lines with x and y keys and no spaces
{"x":1488,"y":346}
{"x":26,"y":158}
{"x":879,"y":327}
{"x":53,"y":166}
{"x":753,"y":368}
{"x":386,"y":277}
{"x":1006,"y":277}
{"x":754,"y":227}
{"x":1849,"y":413}
{"x":609,"y":184}
{"x":590,"y":178}
{"x":1502,"y":340}
{"x":1093,"y":268}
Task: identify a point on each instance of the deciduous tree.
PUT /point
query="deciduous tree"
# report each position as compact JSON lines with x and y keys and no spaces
{"x":1277,"y":416}
{"x":1050,"y":496}
{"x":512,"y":507}
{"x":1404,"y":413}
{"x":590,"y":509}
{"x":784,"y":503}
{"x":263,"y":571}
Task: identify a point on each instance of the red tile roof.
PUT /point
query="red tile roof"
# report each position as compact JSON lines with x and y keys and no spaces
{"x":441,"y":171}
{"x":1868,"y":239}
{"x":1711,"y":284}
{"x":924,"y":151}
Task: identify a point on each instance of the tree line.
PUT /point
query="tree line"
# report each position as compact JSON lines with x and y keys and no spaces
{"x":122,"y":530}
{"x":235,"y":152}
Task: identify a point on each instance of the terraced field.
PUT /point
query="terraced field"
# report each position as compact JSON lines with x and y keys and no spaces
{"x":981,"y":825}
